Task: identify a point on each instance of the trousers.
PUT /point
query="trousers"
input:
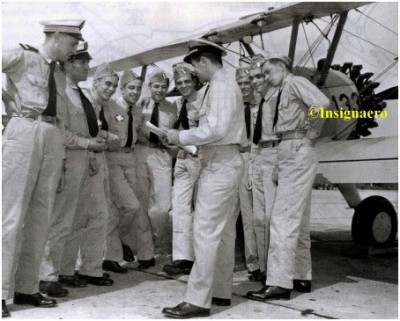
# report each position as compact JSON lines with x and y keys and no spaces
{"x":214,"y":225}
{"x":186,"y":175}
{"x":289,"y":254}
{"x":127,"y":222}
{"x":32,"y":162}
{"x":89,"y":228}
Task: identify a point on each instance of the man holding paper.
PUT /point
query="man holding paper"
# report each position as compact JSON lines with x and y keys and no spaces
{"x":220,"y":132}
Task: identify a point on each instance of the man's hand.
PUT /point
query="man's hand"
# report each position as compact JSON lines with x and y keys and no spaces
{"x":61,"y":182}
{"x":249,"y":183}
{"x":97,"y":144}
{"x":173,"y":137}
{"x":275,"y":175}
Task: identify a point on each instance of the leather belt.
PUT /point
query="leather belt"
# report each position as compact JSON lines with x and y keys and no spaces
{"x":292,"y":135}
{"x":268,"y":144}
{"x":47,"y":119}
{"x":126,"y":149}
{"x":245,"y":149}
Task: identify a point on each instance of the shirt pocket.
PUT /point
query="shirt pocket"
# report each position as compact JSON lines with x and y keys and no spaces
{"x":37,"y":81}
{"x":284,"y":103}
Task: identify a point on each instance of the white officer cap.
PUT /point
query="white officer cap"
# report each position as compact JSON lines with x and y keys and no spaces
{"x":71,"y":27}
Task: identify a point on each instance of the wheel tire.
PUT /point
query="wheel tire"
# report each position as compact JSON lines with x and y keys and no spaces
{"x":374,"y":222}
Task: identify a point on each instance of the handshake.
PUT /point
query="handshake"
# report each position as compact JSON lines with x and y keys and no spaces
{"x":104,"y":141}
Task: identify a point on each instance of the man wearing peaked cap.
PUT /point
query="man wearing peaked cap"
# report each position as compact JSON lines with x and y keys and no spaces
{"x":80,"y":124}
{"x":296,"y":168}
{"x":89,"y":227}
{"x":69,"y":27}
{"x":220,"y":131}
{"x":186,"y":173}
{"x":245,"y":203}
{"x":128,"y":224}
{"x":32,"y":137}
{"x":199,"y":46}
{"x":154,"y":162}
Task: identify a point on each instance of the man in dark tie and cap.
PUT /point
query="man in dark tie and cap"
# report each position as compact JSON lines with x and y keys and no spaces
{"x":128,"y":224}
{"x":89,"y":226}
{"x":33,"y":153}
{"x":81,"y":130}
{"x":186,"y":173}
{"x":154,"y":162}
{"x":289,"y":256}
{"x":245,"y":204}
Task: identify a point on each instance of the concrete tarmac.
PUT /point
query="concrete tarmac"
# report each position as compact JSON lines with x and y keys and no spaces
{"x":349,"y":281}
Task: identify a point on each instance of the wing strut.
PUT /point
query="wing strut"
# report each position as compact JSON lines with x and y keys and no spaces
{"x":293,"y":39}
{"x":332,"y":48}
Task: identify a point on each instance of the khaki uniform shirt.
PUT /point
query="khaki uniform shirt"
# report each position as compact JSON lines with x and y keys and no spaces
{"x":221,"y":115}
{"x":28,"y":73}
{"x":168,"y":115}
{"x":299,"y":94}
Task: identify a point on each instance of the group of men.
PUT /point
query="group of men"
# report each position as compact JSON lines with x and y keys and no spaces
{"x":85,"y":180}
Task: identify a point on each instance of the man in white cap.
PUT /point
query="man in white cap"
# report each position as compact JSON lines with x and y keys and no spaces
{"x":186,"y":174}
{"x":154,"y":163}
{"x":245,"y":204}
{"x":127,"y":219}
{"x":289,"y":257}
{"x":220,"y":132}
{"x":33,"y":155}
{"x":81,"y":132}
{"x":90,"y":223}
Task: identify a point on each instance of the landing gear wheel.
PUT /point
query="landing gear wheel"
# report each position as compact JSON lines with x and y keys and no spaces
{"x":374,"y":222}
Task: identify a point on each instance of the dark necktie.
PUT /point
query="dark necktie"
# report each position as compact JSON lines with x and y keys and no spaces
{"x":130,"y":125}
{"x":277,"y":109}
{"x":104,"y":125}
{"x":51,"y":109}
{"x":154,"y":120}
{"x":258,"y":126}
{"x":90,"y":114}
{"x":205,"y":94}
{"x":183,"y":117}
{"x":247,"y":118}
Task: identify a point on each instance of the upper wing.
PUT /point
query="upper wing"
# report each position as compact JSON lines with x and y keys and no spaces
{"x":246,"y":26}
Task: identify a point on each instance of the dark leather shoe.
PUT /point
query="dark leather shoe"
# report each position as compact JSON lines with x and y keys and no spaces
{"x":178,"y":267}
{"x":145,"y":264}
{"x":97,"y":280}
{"x":113,"y":266}
{"x":186,"y":310}
{"x":269,"y":293}
{"x":72,"y":281}
{"x":5,"y":313}
{"x":127,"y":253}
{"x":37,"y":300}
{"x":52,"y":289}
{"x":302,"y":286}
{"x":257,"y":276}
{"x":221,"y":302}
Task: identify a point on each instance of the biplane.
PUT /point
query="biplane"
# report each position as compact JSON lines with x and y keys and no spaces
{"x":346,"y":157}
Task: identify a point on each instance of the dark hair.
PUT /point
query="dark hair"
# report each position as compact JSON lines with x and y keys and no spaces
{"x":215,"y":58}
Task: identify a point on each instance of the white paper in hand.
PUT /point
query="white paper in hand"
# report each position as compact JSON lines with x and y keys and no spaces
{"x":162,"y":133}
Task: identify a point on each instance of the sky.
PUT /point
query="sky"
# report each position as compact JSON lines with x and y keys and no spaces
{"x":115,"y":30}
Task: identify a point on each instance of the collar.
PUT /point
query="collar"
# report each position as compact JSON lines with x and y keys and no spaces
{"x":46,"y":57}
{"x":71,"y":84}
{"x":286,"y":80}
